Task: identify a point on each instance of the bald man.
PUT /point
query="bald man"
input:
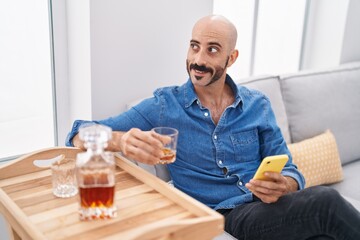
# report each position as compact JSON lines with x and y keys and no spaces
{"x":225,"y":130}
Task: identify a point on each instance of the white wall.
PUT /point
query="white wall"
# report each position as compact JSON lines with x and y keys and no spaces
{"x":135,"y":47}
{"x":117,"y":52}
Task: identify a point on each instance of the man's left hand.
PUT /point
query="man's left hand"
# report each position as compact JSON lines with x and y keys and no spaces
{"x":271,"y":191}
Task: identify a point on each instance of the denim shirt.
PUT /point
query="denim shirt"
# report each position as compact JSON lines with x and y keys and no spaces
{"x":213,"y":162}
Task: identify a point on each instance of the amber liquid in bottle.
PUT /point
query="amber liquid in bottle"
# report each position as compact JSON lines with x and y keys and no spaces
{"x":93,"y":197}
{"x":95,"y":191}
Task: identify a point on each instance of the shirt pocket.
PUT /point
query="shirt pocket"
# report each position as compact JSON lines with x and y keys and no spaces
{"x":246,"y":145}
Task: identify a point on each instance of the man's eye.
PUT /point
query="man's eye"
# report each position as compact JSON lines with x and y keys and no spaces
{"x":213,"y":50}
{"x":194,"y":46}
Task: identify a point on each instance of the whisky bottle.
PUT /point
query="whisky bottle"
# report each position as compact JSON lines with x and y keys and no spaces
{"x":95,"y":174}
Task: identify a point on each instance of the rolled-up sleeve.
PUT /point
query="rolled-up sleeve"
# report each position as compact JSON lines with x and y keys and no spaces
{"x":75,"y":129}
{"x":292,"y":172}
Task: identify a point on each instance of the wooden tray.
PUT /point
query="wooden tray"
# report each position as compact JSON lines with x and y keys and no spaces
{"x":148,"y":208}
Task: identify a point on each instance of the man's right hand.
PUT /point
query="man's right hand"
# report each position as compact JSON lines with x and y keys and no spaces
{"x":142,"y":146}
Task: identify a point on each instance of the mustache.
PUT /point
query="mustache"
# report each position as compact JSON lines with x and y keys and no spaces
{"x":201,"y":68}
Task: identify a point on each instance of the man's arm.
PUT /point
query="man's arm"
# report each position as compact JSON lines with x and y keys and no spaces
{"x":113,"y":144}
{"x":293,"y":186}
{"x":142,"y":146}
{"x":76,"y":142}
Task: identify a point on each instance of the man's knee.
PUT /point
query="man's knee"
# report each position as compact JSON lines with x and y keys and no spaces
{"x":324,"y":195}
{"x":324,"y":192}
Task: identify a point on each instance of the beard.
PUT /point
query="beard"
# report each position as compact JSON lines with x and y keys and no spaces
{"x":216,"y":72}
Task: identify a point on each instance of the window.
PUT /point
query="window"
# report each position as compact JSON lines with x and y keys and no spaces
{"x":279,"y":36}
{"x":269,"y":35}
{"x":26,"y":95}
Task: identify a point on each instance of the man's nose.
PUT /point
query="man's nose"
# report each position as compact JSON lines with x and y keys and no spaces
{"x":201,"y":58}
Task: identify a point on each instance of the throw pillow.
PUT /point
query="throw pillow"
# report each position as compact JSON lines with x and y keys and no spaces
{"x":318,"y":159}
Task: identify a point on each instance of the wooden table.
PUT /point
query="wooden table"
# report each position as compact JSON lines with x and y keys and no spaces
{"x":148,"y":208}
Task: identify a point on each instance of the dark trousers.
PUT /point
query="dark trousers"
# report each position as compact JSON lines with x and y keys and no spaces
{"x":313,"y":213}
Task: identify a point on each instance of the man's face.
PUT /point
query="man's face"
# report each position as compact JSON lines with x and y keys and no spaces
{"x":208,"y":55}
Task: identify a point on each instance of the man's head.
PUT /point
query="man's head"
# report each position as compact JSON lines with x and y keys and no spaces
{"x":212,"y":50}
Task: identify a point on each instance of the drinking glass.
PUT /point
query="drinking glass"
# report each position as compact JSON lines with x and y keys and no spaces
{"x":169,"y":148}
{"x":63,"y":178}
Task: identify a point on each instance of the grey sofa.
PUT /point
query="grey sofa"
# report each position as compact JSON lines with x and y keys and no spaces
{"x":306,"y":104}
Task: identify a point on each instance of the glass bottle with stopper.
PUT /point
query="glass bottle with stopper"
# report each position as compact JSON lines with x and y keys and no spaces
{"x":95,"y":173}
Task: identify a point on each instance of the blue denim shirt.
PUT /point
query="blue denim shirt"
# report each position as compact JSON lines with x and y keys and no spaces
{"x":213,"y":162}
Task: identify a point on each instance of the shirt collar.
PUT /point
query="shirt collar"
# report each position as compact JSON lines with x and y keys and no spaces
{"x":191,"y":97}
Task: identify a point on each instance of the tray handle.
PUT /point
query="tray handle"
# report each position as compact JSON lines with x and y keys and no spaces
{"x":24,"y":164}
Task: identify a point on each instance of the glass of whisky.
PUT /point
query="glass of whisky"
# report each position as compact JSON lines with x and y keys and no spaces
{"x":169,"y":148}
{"x":95,"y":173}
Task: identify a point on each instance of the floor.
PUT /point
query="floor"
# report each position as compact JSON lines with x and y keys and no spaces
{"x":3,"y":229}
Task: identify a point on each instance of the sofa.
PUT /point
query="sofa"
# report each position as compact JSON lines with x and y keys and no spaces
{"x":308,"y":106}
{"x":318,"y":113}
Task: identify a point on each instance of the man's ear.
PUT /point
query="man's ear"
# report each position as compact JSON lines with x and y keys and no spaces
{"x":233,"y":56}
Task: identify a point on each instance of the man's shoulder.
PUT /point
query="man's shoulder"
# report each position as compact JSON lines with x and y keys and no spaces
{"x":169,"y":90}
{"x":250,"y":93}
{"x":165,"y":90}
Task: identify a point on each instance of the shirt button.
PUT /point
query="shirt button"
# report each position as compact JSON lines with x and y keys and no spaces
{"x":240,"y":183}
{"x":215,"y":137}
{"x":220,"y":162}
{"x":206,"y":114}
{"x":197,"y":102}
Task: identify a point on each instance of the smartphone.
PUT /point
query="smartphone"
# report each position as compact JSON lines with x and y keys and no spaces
{"x":271,"y":164}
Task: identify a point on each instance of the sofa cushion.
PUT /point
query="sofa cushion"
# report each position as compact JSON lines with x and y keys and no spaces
{"x":350,"y":186}
{"x":320,"y":100}
{"x":318,"y":159}
{"x":224,"y":236}
{"x":270,"y":86}
{"x":354,"y":202}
